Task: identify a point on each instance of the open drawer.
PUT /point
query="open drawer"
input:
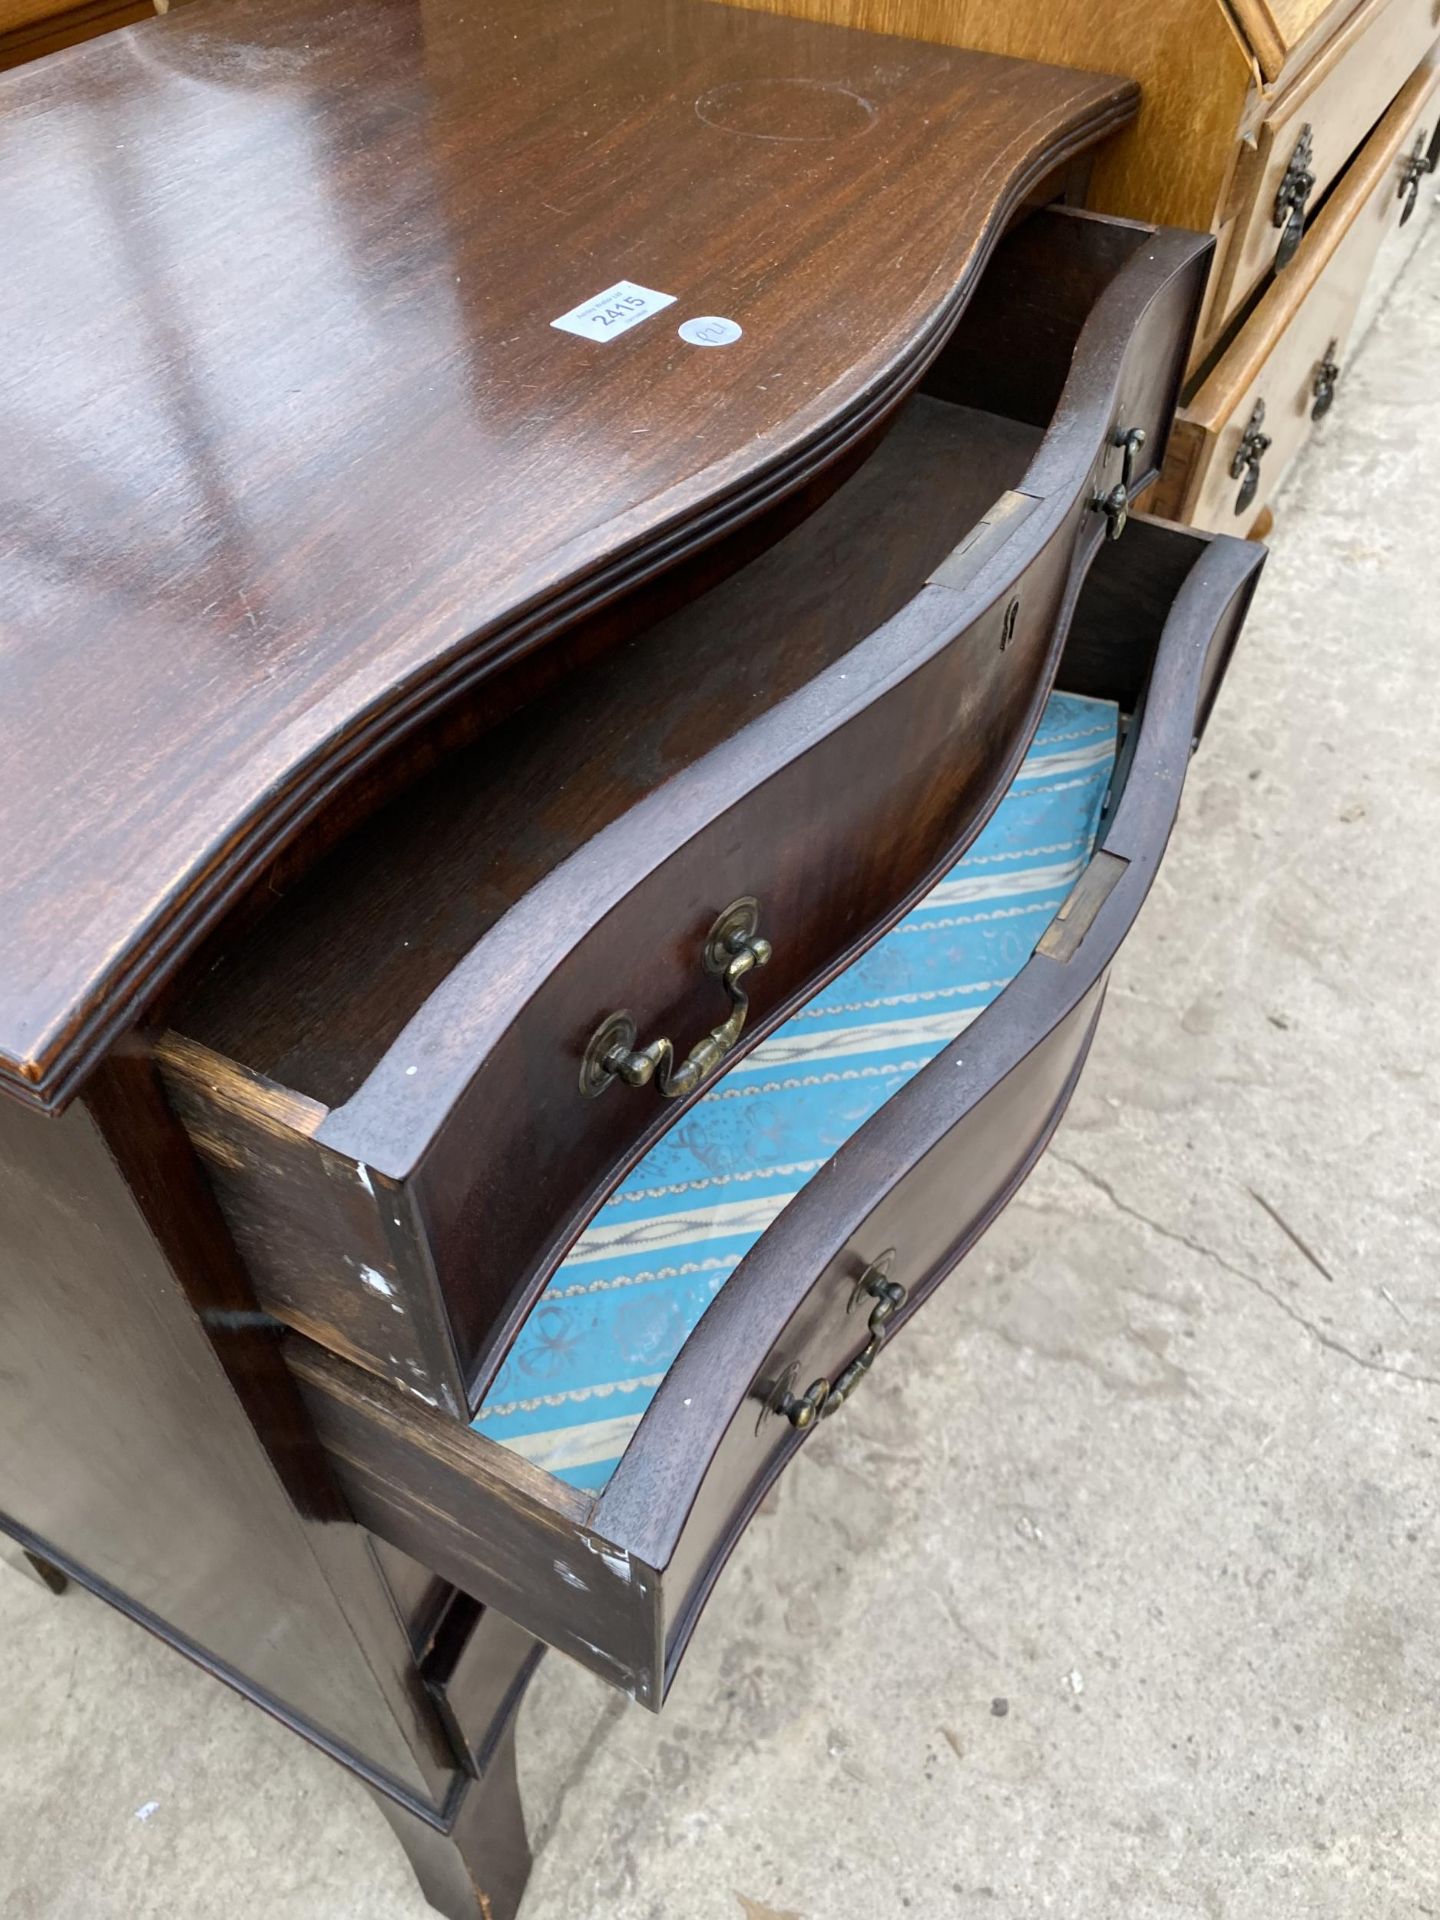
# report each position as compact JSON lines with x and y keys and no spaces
{"x":409,"y":1081}
{"x":617,"y":1577}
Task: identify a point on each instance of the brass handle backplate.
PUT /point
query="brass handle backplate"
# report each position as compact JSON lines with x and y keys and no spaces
{"x":732,"y":948}
{"x":824,"y":1397}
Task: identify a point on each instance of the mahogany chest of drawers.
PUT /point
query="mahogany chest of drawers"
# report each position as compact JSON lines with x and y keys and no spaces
{"x":581,"y":755}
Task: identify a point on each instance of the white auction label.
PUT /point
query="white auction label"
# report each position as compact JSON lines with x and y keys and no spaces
{"x":614,"y":311}
{"x":710,"y":330}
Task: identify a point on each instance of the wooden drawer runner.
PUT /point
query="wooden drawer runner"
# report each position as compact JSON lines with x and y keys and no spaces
{"x":618,"y":1580}
{"x":1280,"y":362}
{"x":1306,"y":140}
{"x":386,"y":1080}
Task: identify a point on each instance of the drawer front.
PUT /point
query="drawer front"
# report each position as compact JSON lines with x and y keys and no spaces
{"x":1288,"y":361}
{"x":831,"y":811}
{"x":1285,"y":33}
{"x":1308,"y":138}
{"x":619,"y":1583}
{"x":1236,"y":490}
{"x":831,"y":842}
{"x":950,"y":1187}
{"x":940,"y":1159}
{"x":1402,"y":233}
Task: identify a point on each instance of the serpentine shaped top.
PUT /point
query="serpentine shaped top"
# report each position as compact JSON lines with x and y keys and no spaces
{"x":314,"y":411}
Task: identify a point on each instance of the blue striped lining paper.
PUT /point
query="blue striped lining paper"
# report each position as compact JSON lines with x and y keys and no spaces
{"x":599,"y":1339}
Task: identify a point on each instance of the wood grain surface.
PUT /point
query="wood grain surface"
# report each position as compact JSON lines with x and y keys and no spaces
{"x":152,"y":1443}
{"x":294,"y":454}
{"x":1195,"y":70}
{"x":419,"y":887}
{"x":1282,"y":31}
{"x":28,"y":31}
{"x":485,"y":1519}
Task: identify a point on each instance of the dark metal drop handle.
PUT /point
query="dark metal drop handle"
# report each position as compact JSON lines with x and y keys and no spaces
{"x":1115,"y":505}
{"x":733,"y":948}
{"x":1322,"y":387}
{"x":1245,"y":466}
{"x":1415,"y":169}
{"x":1292,"y":197}
{"x":824,"y":1397}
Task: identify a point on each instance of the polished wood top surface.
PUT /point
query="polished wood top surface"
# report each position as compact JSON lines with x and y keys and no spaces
{"x":294,"y":454}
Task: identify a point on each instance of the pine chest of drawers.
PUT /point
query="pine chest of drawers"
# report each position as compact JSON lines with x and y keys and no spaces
{"x":1301,"y":134}
{"x":586,"y":752}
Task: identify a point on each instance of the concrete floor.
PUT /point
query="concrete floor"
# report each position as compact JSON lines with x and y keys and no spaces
{"x":1157,"y":1471}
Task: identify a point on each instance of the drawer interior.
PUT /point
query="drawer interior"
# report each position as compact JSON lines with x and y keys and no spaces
{"x":601,"y":1527}
{"x":312,"y":995}
{"x":597,"y":1343}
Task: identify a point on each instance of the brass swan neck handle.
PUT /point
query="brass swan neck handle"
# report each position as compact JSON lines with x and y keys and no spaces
{"x":733,"y":948}
{"x":822,"y":1397}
